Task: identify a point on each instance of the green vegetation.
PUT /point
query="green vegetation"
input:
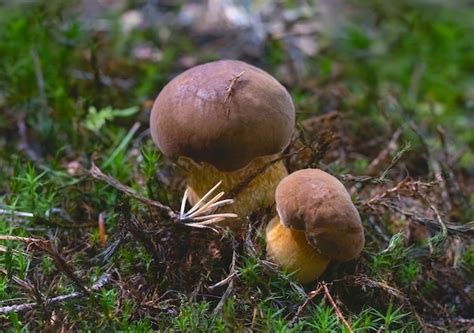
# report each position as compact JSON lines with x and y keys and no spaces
{"x":72,"y":93}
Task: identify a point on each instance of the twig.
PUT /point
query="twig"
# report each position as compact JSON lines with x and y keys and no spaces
{"x":365,"y":281}
{"x":143,"y":237}
{"x":382,"y":195}
{"x":226,"y":280}
{"x":466,"y":229}
{"x":303,"y":306}
{"x":47,"y":247}
{"x":362,"y":179}
{"x":406,"y":147}
{"x":19,"y":238}
{"x":47,"y":219}
{"x":98,"y":174}
{"x":383,"y":177}
{"x":336,"y":308}
{"x":435,"y":167}
{"x":61,"y":264}
{"x":385,"y":153}
{"x":15,"y":213}
{"x":243,"y":184}
{"x":230,"y":287}
{"x":99,"y":284}
{"x":444,"y":229}
{"x":200,"y":215}
{"x":230,"y":90}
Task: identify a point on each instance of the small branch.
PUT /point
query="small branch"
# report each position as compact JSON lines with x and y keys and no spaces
{"x":336,"y":308}
{"x":361,"y":179}
{"x":379,"y":197}
{"x":200,"y":215}
{"x":385,"y":153}
{"x":47,"y":247}
{"x":22,"y":239}
{"x":232,"y":273}
{"x":435,"y":166}
{"x":444,"y":229}
{"x":98,"y":174}
{"x":17,"y":308}
{"x":303,"y":306}
{"x":364,"y":282}
{"x":383,"y":177}
{"x":15,"y":213}
{"x":243,"y":184}
{"x":465,"y":229}
{"x":406,"y":147}
{"x":230,"y":287}
{"x":143,"y":237}
{"x":61,"y":264}
{"x":231,"y":89}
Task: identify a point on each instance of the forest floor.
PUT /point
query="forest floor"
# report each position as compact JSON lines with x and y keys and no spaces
{"x":384,"y":93}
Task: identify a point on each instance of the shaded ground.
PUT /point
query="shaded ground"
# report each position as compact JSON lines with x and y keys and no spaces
{"x":384,"y":96}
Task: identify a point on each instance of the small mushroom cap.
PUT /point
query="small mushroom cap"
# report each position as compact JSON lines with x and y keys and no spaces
{"x":225,"y":113}
{"x":316,"y":202}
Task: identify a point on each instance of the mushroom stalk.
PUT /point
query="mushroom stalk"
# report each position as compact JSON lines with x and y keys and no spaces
{"x":290,"y":249}
{"x":260,"y":192}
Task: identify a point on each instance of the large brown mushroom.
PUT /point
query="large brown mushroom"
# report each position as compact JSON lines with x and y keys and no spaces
{"x":316,"y":222}
{"x":223,"y":121}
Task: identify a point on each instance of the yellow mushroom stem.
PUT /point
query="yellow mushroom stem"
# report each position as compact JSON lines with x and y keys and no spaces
{"x":289,"y":249}
{"x":259,"y":193}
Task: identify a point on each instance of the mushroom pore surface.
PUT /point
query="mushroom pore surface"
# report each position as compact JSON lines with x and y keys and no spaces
{"x":317,"y":203}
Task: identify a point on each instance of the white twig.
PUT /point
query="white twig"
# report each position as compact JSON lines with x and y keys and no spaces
{"x":15,"y":213}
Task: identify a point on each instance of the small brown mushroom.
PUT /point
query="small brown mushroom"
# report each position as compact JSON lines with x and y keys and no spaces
{"x":319,"y":222}
{"x":223,"y":121}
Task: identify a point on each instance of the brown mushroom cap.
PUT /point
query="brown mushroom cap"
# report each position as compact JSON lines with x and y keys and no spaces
{"x":314,"y":201}
{"x":196,"y":115}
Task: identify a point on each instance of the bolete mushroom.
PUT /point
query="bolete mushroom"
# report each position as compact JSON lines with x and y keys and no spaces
{"x":224,"y":120}
{"x":316,"y":222}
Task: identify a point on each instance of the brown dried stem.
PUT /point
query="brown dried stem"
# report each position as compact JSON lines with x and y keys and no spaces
{"x":230,"y":90}
{"x":17,"y":308}
{"x":336,"y":308}
{"x":303,"y":306}
{"x":98,"y":174}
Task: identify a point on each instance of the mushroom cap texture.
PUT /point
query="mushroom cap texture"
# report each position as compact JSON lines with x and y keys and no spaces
{"x":316,"y":202}
{"x":209,"y":115}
